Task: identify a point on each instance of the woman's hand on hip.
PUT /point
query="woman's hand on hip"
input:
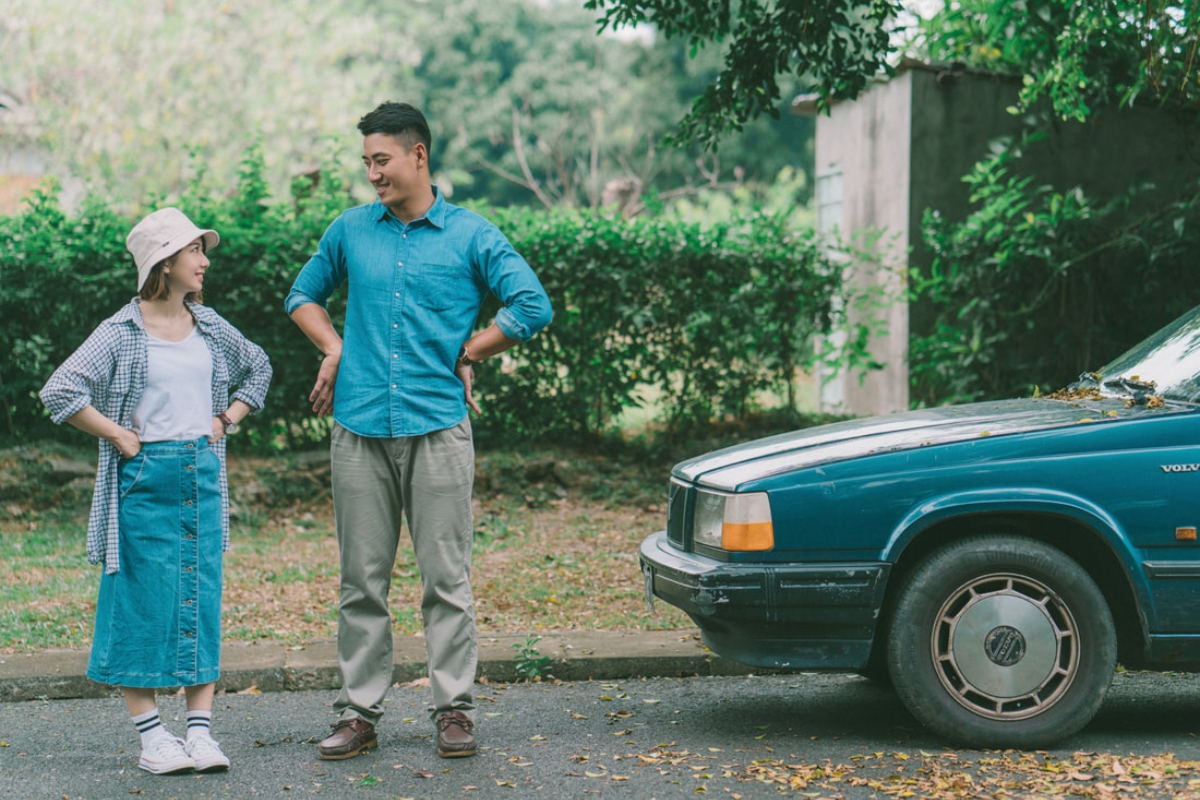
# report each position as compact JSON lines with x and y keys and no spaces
{"x":127,"y":443}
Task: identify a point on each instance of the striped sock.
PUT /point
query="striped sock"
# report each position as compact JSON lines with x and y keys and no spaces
{"x":199,"y":724}
{"x":150,"y":726}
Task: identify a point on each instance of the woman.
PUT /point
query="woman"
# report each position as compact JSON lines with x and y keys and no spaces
{"x":153,"y":382}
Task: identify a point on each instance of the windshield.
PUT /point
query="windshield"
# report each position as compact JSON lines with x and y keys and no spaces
{"x":1166,"y":364}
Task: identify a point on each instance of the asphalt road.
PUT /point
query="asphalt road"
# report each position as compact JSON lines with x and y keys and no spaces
{"x":794,"y":735}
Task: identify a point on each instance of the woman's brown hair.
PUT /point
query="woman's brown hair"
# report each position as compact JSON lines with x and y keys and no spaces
{"x":155,"y":287}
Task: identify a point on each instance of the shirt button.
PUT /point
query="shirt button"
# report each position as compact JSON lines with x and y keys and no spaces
{"x":187,"y":502}
{"x":395,"y":325}
{"x":399,"y":263}
{"x":397,"y":294}
{"x":189,"y":468}
{"x":394,"y":355}
{"x":393,"y":386}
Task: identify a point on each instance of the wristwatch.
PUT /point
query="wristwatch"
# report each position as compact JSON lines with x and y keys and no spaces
{"x":230,"y":425}
{"x":464,"y":358}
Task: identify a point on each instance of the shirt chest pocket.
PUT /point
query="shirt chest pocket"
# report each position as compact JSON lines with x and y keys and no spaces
{"x":439,"y":286}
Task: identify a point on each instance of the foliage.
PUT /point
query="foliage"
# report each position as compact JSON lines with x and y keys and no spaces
{"x":532,"y":104}
{"x":836,"y":47}
{"x":529,"y":663}
{"x":178,"y":86}
{"x":1077,"y":54}
{"x":1036,"y":285}
{"x":526,"y":103}
{"x":712,"y":316}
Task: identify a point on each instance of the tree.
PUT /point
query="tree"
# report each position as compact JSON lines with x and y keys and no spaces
{"x":528,"y":104}
{"x":1077,"y":54}
{"x":532,"y":105}
{"x":175,"y":87}
{"x":1073,"y":52}
{"x":834,"y":46}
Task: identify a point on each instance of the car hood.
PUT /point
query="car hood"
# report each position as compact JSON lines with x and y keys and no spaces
{"x":731,"y":467}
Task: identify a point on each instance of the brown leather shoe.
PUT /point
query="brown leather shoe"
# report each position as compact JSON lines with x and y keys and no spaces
{"x":456,"y":735}
{"x":351,"y":737}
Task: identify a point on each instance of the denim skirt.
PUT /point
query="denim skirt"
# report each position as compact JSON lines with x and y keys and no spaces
{"x":158,"y":618}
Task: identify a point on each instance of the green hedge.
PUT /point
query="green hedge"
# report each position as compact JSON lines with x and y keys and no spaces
{"x":708,"y":317}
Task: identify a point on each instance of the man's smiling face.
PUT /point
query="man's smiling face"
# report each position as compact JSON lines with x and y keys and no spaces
{"x":395,"y":170}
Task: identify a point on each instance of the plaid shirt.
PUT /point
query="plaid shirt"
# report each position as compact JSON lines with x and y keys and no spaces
{"x":108,"y":372}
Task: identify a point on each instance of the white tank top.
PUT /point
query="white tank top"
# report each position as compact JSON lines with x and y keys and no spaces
{"x":177,"y":404}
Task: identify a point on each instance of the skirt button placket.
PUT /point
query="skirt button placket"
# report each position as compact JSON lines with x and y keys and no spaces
{"x":189,"y":558}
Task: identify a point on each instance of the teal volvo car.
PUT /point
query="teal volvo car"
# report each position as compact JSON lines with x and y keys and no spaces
{"x":994,"y":561}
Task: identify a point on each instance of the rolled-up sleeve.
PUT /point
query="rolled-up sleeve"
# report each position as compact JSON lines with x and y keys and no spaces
{"x":525,"y":306}
{"x":85,"y":375}
{"x":324,"y":272}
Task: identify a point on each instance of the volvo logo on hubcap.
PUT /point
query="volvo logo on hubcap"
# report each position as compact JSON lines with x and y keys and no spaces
{"x":1005,"y":646}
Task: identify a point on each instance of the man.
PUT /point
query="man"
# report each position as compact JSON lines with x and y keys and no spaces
{"x":399,"y":385}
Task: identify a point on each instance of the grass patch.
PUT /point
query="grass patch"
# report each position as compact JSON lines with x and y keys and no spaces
{"x":554,"y":533}
{"x":47,"y":588}
{"x":557,"y":531}
{"x":569,"y":565}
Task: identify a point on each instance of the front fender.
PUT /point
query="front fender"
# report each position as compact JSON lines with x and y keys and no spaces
{"x":1017,"y":500}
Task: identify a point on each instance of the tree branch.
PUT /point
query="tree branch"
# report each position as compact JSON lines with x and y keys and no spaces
{"x":519,"y":152}
{"x":501,"y":171}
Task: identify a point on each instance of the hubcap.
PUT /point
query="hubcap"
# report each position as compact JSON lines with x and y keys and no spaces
{"x":1005,"y":646}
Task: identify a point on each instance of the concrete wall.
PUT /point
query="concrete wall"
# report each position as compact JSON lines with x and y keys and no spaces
{"x":955,"y":116}
{"x":903,"y":147}
{"x":868,"y":142}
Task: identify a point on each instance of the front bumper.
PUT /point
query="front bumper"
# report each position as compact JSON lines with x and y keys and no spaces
{"x":798,"y":616}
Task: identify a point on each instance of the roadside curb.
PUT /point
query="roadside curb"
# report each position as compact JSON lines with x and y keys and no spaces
{"x":271,"y":667}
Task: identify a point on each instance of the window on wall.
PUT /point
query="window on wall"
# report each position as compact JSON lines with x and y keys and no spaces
{"x":832,"y":391}
{"x":829,"y":199}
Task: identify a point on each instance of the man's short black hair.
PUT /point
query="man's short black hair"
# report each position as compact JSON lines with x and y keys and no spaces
{"x":401,"y":120}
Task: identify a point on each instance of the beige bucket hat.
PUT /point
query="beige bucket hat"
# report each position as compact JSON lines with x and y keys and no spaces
{"x":161,"y":235}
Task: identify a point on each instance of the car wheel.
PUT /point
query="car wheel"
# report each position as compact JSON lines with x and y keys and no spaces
{"x":1001,"y":641}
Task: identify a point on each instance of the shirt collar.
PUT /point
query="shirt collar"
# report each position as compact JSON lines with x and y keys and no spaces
{"x":435,"y":216}
{"x":130,"y":312}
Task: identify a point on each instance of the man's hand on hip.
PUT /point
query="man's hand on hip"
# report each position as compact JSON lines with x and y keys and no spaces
{"x":467,"y":376}
{"x":322,"y":394}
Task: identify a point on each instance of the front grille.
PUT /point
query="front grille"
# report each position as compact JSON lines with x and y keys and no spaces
{"x":677,"y":513}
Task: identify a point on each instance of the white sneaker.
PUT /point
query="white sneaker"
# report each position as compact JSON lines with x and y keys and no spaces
{"x":207,"y":754}
{"x":164,"y":755}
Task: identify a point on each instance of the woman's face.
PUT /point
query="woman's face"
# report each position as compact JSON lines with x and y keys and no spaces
{"x":187,"y":273}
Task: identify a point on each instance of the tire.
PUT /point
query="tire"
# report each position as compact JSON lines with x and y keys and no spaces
{"x":1001,"y":641}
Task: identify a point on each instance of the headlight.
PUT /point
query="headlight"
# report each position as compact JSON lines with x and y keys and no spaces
{"x":734,"y":521}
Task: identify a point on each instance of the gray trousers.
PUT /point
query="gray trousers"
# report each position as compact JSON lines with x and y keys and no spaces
{"x":428,"y":480}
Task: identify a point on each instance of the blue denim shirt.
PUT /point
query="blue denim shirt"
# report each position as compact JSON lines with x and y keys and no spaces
{"x":414,"y":293}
